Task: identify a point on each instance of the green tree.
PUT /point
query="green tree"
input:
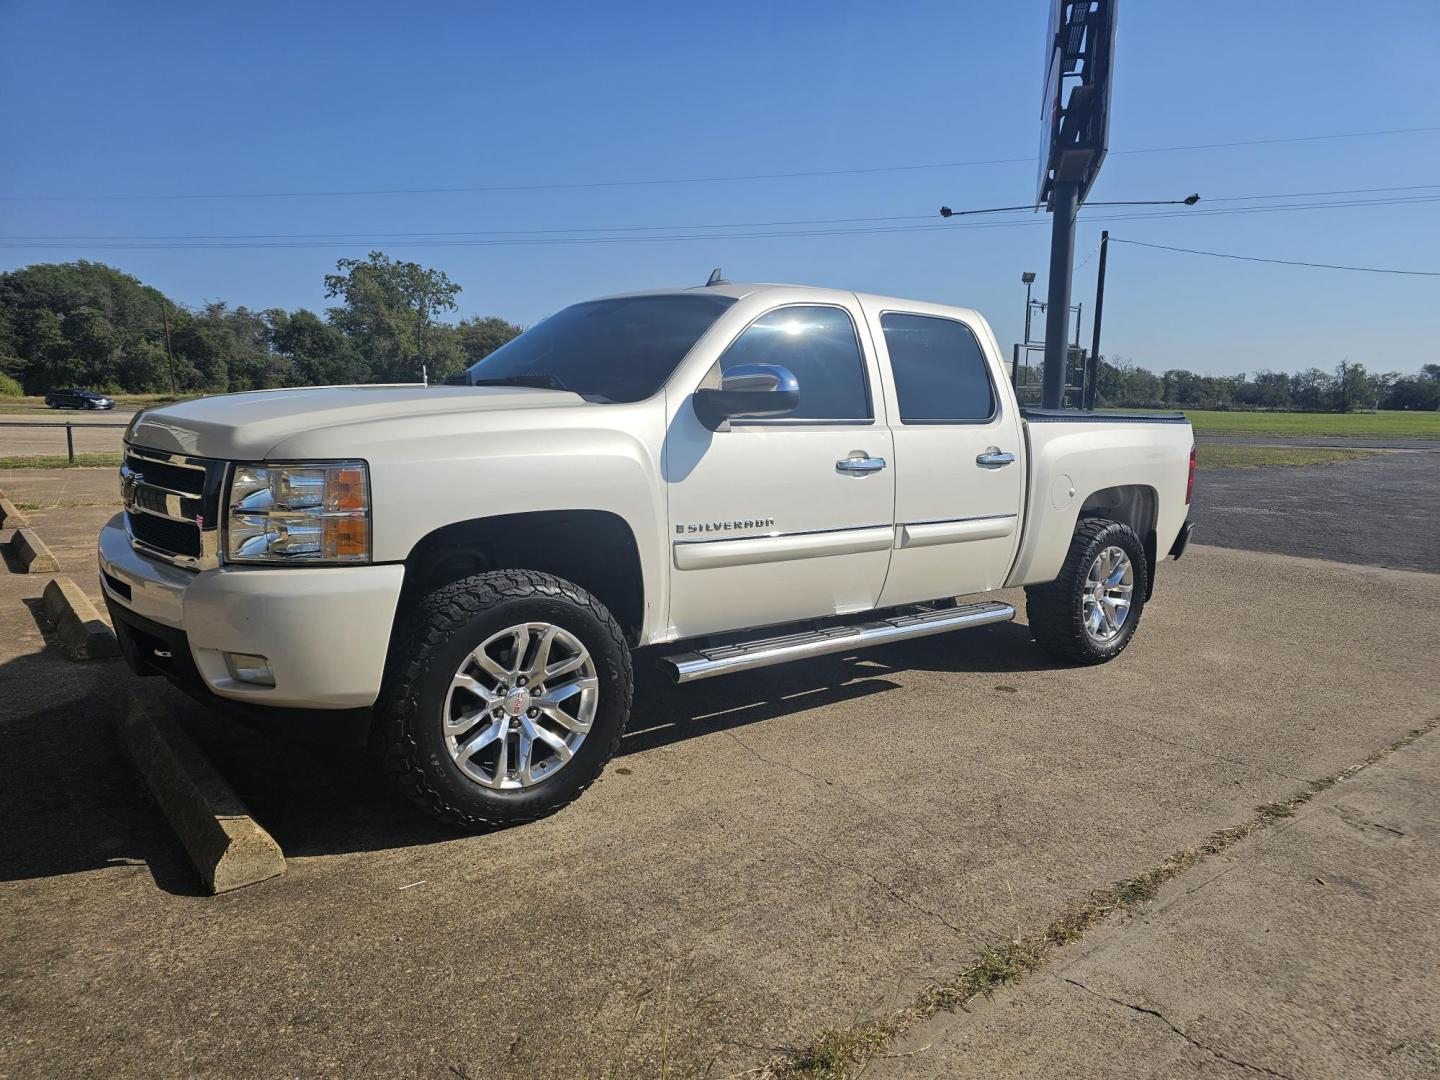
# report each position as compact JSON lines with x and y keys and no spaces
{"x":314,"y":352}
{"x":1354,"y":388}
{"x":387,"y":312}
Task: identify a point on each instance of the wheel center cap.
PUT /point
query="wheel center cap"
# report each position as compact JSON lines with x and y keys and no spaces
{"x":516,"y":701}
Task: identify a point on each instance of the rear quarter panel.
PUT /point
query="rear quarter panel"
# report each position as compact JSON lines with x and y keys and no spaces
{"x":1071,"y":460}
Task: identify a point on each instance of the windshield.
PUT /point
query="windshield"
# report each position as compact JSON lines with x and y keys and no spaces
{"x":605,"y":350}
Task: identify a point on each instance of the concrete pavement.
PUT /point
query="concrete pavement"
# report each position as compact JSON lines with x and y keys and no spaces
{"x":1307,"y":951}
{"x":769,"y":856}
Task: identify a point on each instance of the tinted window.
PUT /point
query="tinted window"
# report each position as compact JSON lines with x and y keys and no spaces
{"x":940,"y":372}
{"x":819,"y":346}
{"x":609,"y":350}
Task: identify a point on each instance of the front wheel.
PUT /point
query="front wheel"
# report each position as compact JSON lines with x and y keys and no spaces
{"x":506,"y":695}
{"x":1091,"y":611}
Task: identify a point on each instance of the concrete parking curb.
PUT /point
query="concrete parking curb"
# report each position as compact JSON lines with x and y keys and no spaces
{"x":34,"y":556}
{"x":10,"y":515}
{"x":223,"y":841}
{"x":85,"y":635}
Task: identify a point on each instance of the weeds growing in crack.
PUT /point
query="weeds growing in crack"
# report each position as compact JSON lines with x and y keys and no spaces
{"x":836,"y":1053}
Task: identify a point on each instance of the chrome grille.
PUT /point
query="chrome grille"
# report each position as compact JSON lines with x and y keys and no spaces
{"x":172,"y":506}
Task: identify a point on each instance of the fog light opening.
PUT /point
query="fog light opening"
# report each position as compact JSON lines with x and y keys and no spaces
{"x":248,"y":668}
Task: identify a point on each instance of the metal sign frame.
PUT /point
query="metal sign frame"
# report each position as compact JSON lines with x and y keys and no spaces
{"x":1075,"y":127}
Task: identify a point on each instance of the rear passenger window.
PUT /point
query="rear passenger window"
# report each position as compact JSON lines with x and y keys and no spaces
{"x":940,"y":372}
{"x":819,"y":346}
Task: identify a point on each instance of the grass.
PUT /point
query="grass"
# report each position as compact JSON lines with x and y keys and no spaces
{"x":839,"y":1053}
{"x":122,"y":401}
{"x":60,"y":461}
{"x":1215,"y":456}
{"x":1391,"y":425}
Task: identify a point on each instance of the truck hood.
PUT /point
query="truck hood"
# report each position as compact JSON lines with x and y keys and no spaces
{"x":246,"y":426}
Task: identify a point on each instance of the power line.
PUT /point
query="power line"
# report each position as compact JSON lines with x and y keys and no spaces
{"x":1281,"y":262}
{"x":734,"y":178}
{"x":568,"y":231}
{"x":302,"y":241}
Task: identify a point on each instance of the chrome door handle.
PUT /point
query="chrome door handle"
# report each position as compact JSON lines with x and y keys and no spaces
{"x":993,"y":458}
{"x":858,"y":464}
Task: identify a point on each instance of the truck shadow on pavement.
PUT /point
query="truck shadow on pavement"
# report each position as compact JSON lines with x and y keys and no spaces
{"x":71,"y":802}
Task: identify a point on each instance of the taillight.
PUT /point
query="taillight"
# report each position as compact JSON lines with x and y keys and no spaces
{"x":1190,"y":483}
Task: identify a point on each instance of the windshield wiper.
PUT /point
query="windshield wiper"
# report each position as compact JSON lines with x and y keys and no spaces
{"x":538,"y":381}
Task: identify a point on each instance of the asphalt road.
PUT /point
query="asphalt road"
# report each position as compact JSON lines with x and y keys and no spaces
{"x":1380,"y":511}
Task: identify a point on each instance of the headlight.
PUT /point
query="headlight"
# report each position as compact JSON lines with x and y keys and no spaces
{"x":317,"y":512}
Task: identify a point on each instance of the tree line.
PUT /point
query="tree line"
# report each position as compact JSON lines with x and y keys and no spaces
{"x":87,"y":324}
{"x":1350,"y":388}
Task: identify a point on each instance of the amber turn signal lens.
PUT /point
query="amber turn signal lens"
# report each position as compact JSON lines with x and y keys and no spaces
{"x":345,"y":490}
{"x":346,"y":537}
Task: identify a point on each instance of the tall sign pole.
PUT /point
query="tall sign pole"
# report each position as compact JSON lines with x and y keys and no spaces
{"x":1075,"y":133}
{"x":1065,"y":197}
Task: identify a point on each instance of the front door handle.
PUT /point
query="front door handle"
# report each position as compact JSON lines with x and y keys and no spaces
{"x":993,"y":458}
{"x":858,"y":464}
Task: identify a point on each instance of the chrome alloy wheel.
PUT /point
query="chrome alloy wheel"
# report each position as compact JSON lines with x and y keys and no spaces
{"x":1108,"y":585}
{"x":520,"y":706}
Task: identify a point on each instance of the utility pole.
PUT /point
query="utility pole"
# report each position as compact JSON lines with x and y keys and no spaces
{"x":169,"y":352}
{"x":1092,"y":367}
{"x":1066,"y":201}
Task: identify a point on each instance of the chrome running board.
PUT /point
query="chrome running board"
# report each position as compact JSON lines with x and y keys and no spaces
{"x":764,"y":652}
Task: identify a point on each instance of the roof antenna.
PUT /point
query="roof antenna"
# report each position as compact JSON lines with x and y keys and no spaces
{"x":716,"y":278}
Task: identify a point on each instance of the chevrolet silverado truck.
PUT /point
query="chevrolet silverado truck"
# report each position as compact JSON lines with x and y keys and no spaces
{"x":713,"y":479}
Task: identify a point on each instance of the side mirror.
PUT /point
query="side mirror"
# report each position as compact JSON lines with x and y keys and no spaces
{"x":463,"y":379}
{"x":749,"y":390}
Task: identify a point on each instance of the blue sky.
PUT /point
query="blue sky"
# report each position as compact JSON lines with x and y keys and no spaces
{"x":155,"y":98}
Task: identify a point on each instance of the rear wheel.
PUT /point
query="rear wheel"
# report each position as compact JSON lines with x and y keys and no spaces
{"x":507,"y":694}
{"x":1091,"y":611}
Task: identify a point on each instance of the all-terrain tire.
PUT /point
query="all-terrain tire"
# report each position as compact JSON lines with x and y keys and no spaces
{"x":431,"y":644}
{"x":1056,"y":610}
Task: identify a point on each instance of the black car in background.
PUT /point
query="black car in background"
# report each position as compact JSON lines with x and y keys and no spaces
{"x":77,"y":399}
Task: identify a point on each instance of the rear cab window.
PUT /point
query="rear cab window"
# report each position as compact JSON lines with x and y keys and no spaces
{"x":940,"y":371}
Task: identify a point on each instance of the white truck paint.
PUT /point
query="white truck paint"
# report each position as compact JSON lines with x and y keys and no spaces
{"x":715,"y":529}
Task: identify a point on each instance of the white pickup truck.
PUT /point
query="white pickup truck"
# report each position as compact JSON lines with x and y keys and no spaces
{"x":717,"y":479}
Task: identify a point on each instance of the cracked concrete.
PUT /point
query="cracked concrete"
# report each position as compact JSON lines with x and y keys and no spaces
{"x":1305,"y":952}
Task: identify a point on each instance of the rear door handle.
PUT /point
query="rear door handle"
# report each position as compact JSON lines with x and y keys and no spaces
{"x":993,"y":458}
{"x":858,"y":464}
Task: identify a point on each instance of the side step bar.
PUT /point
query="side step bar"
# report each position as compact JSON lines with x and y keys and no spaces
{"x":764,"y":652}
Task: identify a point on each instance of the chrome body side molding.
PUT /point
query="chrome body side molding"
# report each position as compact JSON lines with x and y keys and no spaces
{"x":928,"y":533}
{"x":780,"y":547}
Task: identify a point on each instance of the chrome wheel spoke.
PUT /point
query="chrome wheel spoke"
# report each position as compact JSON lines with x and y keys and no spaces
{"x":484,"y":739}
{"x":524,"y":750}
{"x":457,"y":727}
{"x":535,"y":669}
{"x":490,"y":665}
{"x":556,"y":742}
{"x":564,"y":667}
{"x":462,"y":681}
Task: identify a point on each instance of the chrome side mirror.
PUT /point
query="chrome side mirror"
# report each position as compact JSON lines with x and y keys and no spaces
{"x":751,"y":391}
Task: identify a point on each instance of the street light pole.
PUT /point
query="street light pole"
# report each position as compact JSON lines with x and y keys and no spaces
{"x":1065,"y":201}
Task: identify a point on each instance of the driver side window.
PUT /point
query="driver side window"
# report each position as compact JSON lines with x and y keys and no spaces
{"x":819,"y":346}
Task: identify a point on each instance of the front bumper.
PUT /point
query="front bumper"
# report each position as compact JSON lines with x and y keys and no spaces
{"x":324,"y":630}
